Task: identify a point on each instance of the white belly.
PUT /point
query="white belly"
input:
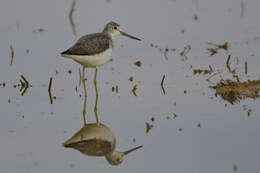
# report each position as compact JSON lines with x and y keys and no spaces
{"x":92,"y":60}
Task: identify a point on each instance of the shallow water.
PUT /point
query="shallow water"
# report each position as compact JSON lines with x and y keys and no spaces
{"x":208,"y":134}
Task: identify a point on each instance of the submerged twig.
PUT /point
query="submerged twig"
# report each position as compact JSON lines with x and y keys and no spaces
{"x":72,"y":9}
{"x":148,"y":127}
{"x":227,"y":63}
{"x":162,"y":84}
{"x":134,"y":89}
{"x":201,"y":71}
{"x":246,"y":67}
{"x":49,"y":90}
{"x":215,"y":50}
{"x":24,"y":85}
{"x":233,"y":72}
{"x":185,"y":51}
{"x":12,"y":54}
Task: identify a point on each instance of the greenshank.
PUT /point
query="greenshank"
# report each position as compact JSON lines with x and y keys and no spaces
{"x":94,"y":50}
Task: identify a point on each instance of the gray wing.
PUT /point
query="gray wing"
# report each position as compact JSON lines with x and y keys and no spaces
{"x":89,"y":45}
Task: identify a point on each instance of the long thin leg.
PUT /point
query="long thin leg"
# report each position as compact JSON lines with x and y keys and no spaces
{"x":85,"y":96}
{"x":95,"y":84}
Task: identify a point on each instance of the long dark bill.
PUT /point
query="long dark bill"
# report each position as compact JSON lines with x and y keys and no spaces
{"x":130,"y":36}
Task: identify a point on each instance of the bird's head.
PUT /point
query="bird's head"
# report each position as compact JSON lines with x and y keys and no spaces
{"x":113,"y":29}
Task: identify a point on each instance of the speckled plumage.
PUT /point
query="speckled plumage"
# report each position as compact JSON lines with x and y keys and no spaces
{"x":91,"y":44}
{"x":94,"y":50}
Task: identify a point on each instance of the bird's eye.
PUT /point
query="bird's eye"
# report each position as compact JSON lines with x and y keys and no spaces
{"x":115,"y":28}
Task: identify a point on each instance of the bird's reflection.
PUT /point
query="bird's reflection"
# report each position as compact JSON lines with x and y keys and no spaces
{"x":96,"y":139}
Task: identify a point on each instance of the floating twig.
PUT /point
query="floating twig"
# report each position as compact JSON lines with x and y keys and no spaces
{"x":227,"y":63}
{"x":215,"y":50}
{"x":134,"y":89}
{"x":72,"y":9}
{"x":148,"y":127}
{"x":185,"y":51}
{"x":25,"y":80}
{"x":12,"y":54}
{"x":162,"y":84}
{"x":246,"y":67}
{"x":49,"y":90}
{"x":201,"y":71}
{"x":24,"y":85}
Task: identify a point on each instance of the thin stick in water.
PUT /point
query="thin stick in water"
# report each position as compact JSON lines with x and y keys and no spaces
{"x":12,"y":54}
{"x":227,"y":63}
{"x":49,"y":90}
{"x":246,"y":67}
{"x":162,"y":84}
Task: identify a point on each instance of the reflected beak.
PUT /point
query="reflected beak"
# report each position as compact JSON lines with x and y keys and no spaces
{"x":130,"y":36}
{"x":133,"y":149}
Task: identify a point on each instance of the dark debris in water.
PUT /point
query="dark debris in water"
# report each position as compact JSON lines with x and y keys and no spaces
{"x":12,"y":54}
{"x":138,"y":63}
{"x":148,"y":127}
{"x":202,"y":71}
{"x":134,"y":90}
{"x":38,"y":30}
{"x":246,"y":67}
{"x":233,"y":72}
{"x":162,"y":84}
{"x":185,"y":51}
{"x":234,"y":91}
{"x":218,"y":47}
{"x":115,"y":89}
{"x":49,"y":90}
{"x":131,"y":78}
{"x":134,"y":140}
{"x":2,"y":84}
{"x":195,"y":17}
{"x":24,"y":85}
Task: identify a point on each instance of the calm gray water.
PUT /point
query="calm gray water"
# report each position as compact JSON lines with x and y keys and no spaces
{"x":32,"y":130}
